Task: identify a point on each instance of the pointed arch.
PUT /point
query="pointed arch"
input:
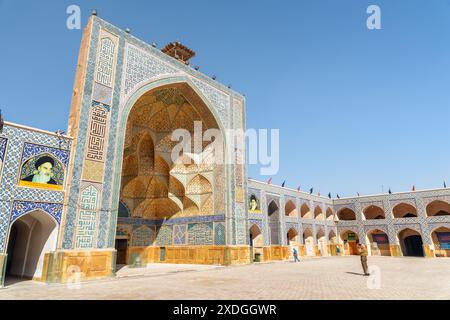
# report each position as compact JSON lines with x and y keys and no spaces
{"x":373,"y":212}
{"x":411,"y":242}
{"x":440,"y":237}
{"x":346,"y":214}
{"x":292,"y":237}
{"x":438,"y":208}
{"x":404,"y":210}
{"x":308,"y":240}
{"x":290,"y":209}
{"x":332,"y":238}
{"x":350,"y":239}
{"x":272,"y":208}
{"x":199,"y":185}
{"x":379,"y":242}
{"x":329,"y":214}
{"x":256,"y":236}
{"x":318,"y":214}
{"x":305,"y":211}
{"x":30,"y":237}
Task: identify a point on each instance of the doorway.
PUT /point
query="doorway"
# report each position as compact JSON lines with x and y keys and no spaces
{"x":413,"y":246}
{"x":31,"y":236}
{"x":411,"y":243}
{"x":121,"y":247}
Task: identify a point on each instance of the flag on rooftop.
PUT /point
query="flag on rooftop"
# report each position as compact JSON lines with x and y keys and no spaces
{"x":2,"y":122}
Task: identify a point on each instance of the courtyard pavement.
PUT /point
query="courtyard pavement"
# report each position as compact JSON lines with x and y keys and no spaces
{"x":319,"y":278}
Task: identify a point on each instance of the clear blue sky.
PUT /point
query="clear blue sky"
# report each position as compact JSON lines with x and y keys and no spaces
{"x":356,"y":109}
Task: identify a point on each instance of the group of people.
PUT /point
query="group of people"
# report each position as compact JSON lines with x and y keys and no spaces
{"x":362,"y":251}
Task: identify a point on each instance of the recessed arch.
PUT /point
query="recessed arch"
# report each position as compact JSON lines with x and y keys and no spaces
{"x":320,"y":233}
{"x":256,"y":237}
{"x":154,"y":100}
{"x":346,"y":214}
{"x":305,"y":211}
{"x":199,"y":185}
{"x":332,"y":237}
{"x":404,"y":210}
{"x":308,"y":240}
{"x":379,"y":242}
{"x":322,"y":242}
{"x":31,"y":236}
{"x":440,"y":237}
{"x":318,"y":214}
{"x":292,"y":237}
{"x":273,"y":214}
{"x":373,"y":212}
{"x":272,"y":208}
{"x":160,"y":188}
{"x":256,"y":240}
{"x":438,"y":208}
{"x":329,"y":214}
{"x":411,"y":242}
{"x":350,"y":239}
{"x":290,"y":209}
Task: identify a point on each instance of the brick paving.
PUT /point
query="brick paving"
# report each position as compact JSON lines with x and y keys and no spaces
{"x":320,"y":278}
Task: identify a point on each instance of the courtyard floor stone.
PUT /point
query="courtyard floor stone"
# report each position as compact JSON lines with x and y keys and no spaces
{"x":322,"y":278}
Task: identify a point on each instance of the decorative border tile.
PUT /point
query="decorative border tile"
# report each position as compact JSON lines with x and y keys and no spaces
{"x":21,"y":208}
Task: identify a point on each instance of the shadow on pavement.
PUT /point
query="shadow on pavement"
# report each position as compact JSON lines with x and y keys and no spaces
{"x":356,"y":273}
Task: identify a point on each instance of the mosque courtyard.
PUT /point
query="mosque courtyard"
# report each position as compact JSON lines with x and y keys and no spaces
{"x":313,"y":278}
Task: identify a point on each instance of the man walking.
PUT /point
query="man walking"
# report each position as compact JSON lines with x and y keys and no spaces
{"x":295,"y":254}
{"x":362,"y":250}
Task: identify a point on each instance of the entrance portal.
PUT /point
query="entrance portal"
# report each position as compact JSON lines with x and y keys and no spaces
{"x":411,"y":243}
{"x":350,"y":240}
{"x":160,"y":182}
{"x":30,"y":237}
{"x":256,"y":242}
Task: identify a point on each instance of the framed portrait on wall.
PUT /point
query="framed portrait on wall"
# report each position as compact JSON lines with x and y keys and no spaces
{"x":42,"y":171}
{"x":253,"y":204}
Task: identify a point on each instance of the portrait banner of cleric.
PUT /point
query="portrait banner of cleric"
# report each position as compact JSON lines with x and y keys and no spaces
{"x":43,"y":173}
{"x":253,"y":204}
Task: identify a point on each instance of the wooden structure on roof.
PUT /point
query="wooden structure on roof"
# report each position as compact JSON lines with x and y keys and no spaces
{"x":179,"y":51}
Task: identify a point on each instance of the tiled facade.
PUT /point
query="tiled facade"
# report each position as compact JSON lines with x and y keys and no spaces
{"x":17,"y":145}
{"x":217,"y":210}
{"x":425,"y":223}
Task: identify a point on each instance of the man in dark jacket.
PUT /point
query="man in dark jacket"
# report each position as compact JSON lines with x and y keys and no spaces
{"x":362,"y":250}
